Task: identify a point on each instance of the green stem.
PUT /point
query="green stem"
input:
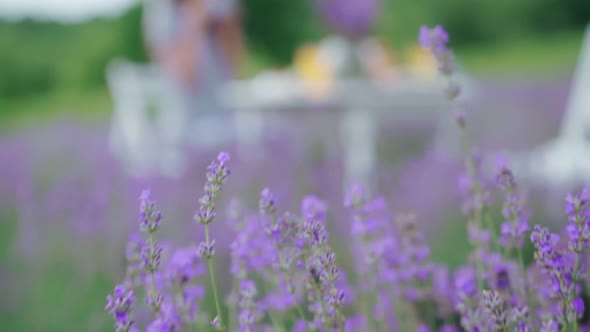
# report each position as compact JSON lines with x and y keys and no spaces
{"x":292,"y":291}
{"x":319,"y":295}
{"x":301,"y":313}
{"x":381,"y":325}
{"x":472,"y":169}
{"x":340,"y":321}
{"x":576,"y":268}
{"x":399,"y":311}
{"x":274,"y":321}
{"x":324,"y":310}
{"x":232,"y":309}
{"x":213,"y":282}
{"x":152,"y":276}
{"x":527,"y":288}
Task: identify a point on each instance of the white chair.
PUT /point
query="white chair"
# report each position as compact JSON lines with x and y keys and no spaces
{"x":153,"y":123}
{"x":147,"y":123}
{"x":565,"y":161}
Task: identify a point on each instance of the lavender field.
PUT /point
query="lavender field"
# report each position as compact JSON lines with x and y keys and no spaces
{"x":404,"y":166}
{"x":68,"y":210}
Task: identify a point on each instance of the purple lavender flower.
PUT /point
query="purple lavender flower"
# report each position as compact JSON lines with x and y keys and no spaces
{"x":248,"y":315}
{"x":351,"y":17}
{"x":467,"y":299}
{"x":549,"y":325}
{"x":167,"y":320}
{"x":516,"y":225}
{"x":324,"y":297}
{"x":291,"y":255}
{"x":151,"y":251}
{"x":355,"y":196}
{"x":560,"y":268}
{"x":373,"y":241}
{"x":149,"y":218}
{"x":217,"y":174}
{"x":435,"y":40}
{"x":267,"y":202}
{"x":250,"y":253}
{"x":495,"y":309}
{"x":150,"y":256}
{"x":135,"y":269}
{"x":578,"y":229}
{"x":183,"y":289}
{"x":206,"y":251}
{"x":519,"y":319}
{"x":545,"y":243}
{"x":415,"y":269}
{"x":578,"y":305}
{"x":313,"y":208}
{"x":119,"y":306}
{"x":443,"y":290}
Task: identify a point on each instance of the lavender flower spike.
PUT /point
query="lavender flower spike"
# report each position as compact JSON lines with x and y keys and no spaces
{"x":516,"y":225}
{"x":578,"y":210}
{"x":217,"y":174}
{"x":119,"y":306}
{"x":149,"y":223}
{"x":435,"y":40}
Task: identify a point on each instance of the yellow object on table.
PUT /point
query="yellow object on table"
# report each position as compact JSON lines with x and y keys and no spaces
{"x":314,"y":71}
{"x":420,"y":62}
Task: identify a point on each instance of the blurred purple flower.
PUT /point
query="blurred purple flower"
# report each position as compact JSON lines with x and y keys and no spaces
{"x":353,"y":18}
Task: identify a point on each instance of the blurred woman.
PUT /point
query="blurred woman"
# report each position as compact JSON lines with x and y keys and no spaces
{"x":198,"y":45}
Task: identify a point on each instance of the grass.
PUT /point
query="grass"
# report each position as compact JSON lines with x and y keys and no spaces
{"x":94,"y":104}
{"x":540,"y":56}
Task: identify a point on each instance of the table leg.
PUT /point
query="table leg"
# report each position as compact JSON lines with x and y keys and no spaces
{"x":358,"y":138}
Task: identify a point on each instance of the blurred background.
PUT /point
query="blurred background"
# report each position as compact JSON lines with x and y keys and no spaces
{"x":313,"y":95}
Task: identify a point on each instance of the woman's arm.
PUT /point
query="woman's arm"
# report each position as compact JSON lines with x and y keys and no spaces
{"x":178,"y":51}
{"x":230,"y":39}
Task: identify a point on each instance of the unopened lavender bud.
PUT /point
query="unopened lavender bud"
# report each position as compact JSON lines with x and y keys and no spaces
{"x":446,"y":62}
{"x":267,"y":202}
{"x":154,"y":300}
{"x":150,"y":256}
{"x":206,"y":251}
{"x":495,"y":308}
{"x":460,"y":118}
{"x":355,"y":196}
{"x":119,"y":306}
{"x":453,"y":90}
{"x":578,"y":306}
{"x":336,"y":297}
{"x":215,"y":323}
{"x":149,"y":217}
{"x":205,"y":214}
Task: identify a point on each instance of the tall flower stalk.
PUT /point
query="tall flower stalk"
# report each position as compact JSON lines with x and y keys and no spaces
{"x":435,"y":41}
{"x":217,"y":174}
{"x":516,"y":225}
{"x":149,"y":223}
{"x":119,"y":306}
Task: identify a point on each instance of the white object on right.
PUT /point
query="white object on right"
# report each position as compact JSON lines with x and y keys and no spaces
{"x":565,"y":161}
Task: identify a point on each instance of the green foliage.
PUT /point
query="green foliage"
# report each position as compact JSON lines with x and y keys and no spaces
{"x":480,"y":21}
{"x":40,"y":57}
{"x":276,"y":28}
